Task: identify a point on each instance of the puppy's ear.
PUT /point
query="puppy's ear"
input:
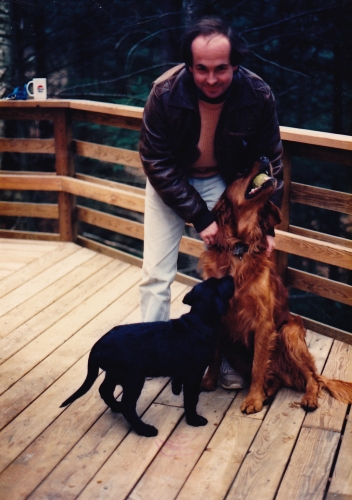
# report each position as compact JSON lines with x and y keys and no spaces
{"x":189,"y":298}
{"x":272,"y":215}
{"x":221,"y":306}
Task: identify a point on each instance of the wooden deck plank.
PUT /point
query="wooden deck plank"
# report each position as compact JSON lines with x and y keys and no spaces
{"x":341,"y":482}
{"x":178,"y":455}
{"x":5,"y":272}
{"x":103,"y":271}
{"x":265,"y":462}
{"x":41,"y":281}
{"x":47,"y":246}
{"x":308,"y":472}
{"x":19,"y":280}
{"x":20,"y":256}
{"x":217,"y":467}
{"x":47,"y":375}
{"x":134,"y":449}
{"x":31,"y":385}
{"x":266,"y":459}
{"x":107,"y":436}
{"x":331,"y":413}
{"x":61,"y":332}
{"x":44,"y":260}
{"x":32,"y":306}
{"x":62,"y":436}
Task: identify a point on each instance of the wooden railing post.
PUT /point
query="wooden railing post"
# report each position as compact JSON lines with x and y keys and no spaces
{"x":64,"y":166}
{"x":281,"y":258}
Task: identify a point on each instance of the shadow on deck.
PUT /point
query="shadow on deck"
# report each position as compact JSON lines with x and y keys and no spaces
{"x":56,"y":300}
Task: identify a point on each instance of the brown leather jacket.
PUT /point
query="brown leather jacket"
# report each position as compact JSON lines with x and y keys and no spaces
{"x":248,"y":129}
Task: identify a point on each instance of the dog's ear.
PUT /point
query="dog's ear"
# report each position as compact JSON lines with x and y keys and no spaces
{"x":271,"y":215}
{"x":223,"y":210}
{"x":225,"y":219}
{"x":189,"y":298}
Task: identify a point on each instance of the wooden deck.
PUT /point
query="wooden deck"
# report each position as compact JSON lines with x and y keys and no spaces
{"x":56,"y":300}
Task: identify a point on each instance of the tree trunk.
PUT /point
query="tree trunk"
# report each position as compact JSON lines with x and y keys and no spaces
{"x":5,"y":57}
{"x":191,"y":9}
{"x":5,"y":51}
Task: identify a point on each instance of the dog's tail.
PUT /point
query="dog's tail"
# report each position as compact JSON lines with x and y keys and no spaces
{"x":339,"y":389}
{"x":93,"y":372}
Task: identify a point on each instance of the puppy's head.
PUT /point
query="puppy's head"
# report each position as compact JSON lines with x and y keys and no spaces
{"x":211,"y":295}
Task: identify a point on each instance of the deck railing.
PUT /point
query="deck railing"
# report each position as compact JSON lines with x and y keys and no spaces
{"x":289,"y":239}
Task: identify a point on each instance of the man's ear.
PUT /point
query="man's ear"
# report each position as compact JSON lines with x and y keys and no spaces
{"x":190,"y":68}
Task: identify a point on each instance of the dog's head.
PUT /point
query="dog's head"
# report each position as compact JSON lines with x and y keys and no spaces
{"x":256,"y":187}
{"x":211,"y":296}
{"x":245,"y":204}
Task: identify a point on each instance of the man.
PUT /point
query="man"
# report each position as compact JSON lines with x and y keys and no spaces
{"x":204,"y":123}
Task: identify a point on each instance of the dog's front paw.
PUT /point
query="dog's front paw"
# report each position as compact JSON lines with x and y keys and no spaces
{"x":146,"y":430}
{"x":251,"y":405}
{"x":196,"y":420}
{"x":309,"y":403}
{"x":208,"y":384}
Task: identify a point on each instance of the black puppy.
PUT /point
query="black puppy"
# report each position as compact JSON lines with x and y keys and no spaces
{"x":180,"y":348}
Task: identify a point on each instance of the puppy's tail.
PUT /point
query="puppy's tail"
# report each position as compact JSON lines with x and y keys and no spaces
{"x":93,"y":372}
{"x":339,"y":389}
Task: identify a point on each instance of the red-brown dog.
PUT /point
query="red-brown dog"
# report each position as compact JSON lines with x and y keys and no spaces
{"x":259,"y":336}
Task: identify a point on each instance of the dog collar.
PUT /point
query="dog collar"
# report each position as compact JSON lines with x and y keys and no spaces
{"x":240,"y":249}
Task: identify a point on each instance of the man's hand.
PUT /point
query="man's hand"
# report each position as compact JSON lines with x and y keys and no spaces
{"x":270,"y":244}
{"x":208,"y":234}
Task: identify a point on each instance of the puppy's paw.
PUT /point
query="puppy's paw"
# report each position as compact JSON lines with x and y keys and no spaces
{"x":116,"y":407}
{"x":146,"y":430}
{"x":176,"y":386}
{"x":196,"y":420}
{"x":251,"y":405}
{"x":309,"y":403}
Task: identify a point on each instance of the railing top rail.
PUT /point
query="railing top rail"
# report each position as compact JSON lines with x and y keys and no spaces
{"x":316,"y":138}
{"x":290,"y":134}
{"x":83,"y":105}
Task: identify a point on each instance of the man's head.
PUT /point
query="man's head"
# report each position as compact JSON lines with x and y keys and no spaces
{"x":212,"y":52}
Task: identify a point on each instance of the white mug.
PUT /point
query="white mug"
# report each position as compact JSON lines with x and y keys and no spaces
{"x":39,"y":88}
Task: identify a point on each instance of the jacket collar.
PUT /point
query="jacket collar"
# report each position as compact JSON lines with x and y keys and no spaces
{"x":184,"y":91}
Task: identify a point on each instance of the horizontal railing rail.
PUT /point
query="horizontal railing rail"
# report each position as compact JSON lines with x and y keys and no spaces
{"x":69,"y":185}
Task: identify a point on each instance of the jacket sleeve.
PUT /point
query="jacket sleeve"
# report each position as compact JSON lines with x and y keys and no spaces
{"x":159,"y":163}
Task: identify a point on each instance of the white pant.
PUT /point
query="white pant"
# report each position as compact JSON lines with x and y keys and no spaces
{"x":163,"y":230}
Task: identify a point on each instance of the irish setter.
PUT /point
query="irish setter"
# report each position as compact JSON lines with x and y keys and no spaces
{"x":259,"y":336}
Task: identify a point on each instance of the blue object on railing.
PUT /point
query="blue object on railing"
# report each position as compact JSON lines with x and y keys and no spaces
{"x":19,"y":94}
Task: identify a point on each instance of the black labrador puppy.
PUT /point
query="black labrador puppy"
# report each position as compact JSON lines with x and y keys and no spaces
{"x":180,"y":348}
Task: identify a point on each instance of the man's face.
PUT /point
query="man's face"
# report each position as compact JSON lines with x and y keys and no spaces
{"x":212,"y":71}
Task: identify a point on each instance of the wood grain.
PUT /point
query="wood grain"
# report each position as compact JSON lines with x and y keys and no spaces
{"x":320,"y":286}
{"x":321,"y":251}
{"x":310,"y":465}
{"x":108,"y":153}
{"x":38,"y":146}
{"x":341,"y":482}
{"x":41,"y":210}
{"x":322,"y":198}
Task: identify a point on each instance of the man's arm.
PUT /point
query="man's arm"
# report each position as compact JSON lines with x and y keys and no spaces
{"x":159,"y":163}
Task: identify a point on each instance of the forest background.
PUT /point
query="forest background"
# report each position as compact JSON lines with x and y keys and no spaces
{"x":112,"y":50}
